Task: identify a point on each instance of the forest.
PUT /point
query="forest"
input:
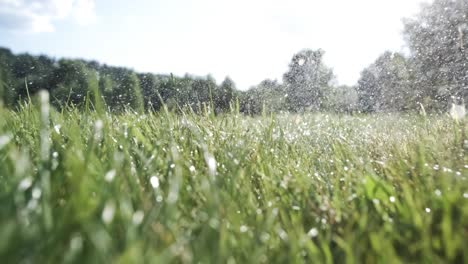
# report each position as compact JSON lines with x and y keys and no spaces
{"x":429,"y":77}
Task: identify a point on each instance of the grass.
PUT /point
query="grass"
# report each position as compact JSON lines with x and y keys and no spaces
{"x":88,"y":187}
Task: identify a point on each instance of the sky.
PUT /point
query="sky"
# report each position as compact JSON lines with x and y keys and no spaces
{"x":247,"y":40}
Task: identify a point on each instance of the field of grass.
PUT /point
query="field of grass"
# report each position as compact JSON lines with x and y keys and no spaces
{"x":89,"y":187}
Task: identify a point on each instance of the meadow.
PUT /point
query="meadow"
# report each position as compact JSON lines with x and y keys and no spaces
{"x":80,"y":186}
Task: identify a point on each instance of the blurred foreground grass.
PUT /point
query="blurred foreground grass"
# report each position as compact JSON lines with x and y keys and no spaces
{"x":84,"y":187}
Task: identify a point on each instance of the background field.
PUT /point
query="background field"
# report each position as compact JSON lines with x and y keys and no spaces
{"x":84,"y":187}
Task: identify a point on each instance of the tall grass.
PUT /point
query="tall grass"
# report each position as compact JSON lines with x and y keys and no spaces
{"x":88,"y":187}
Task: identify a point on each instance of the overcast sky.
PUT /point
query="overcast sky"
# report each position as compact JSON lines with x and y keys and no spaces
{"x":249,"y":40}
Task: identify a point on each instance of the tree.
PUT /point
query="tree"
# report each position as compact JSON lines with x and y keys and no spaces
{"x":129,"y":91}
{"x":69,"y":83}
{"x":149,"y":89}
{"x":202,"y":90}
{"x":224,"y":95}
{"x":120,"y":88}
{"x":72,"y":82}
{"x":306,"y":80}
{"x":341,"y":99}
{"x":36,"y":70}
{"x":386,"y":85}
{"x":368,"y":91}
{"x":7,"y":82}
{"x":437,"y":38}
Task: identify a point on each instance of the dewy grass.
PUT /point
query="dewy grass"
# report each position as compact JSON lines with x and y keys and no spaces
{"x":87,"y":187}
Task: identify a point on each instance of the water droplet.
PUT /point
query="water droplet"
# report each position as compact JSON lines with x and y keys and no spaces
{"x":159,"y":198}
{"x":57,"y":129}
{"x":214,"y":223}
{"x":137,"y":217}
{"x":428,"y":210}
{"x":264,"y":237}
{"x":312,"y":232}
{"x":110,"y":175}
{"x":32,"y":204}
{"x":211,"y":163}
{"x":275,"y":211}
{"x":5,"y":139}
{"x":392,"y":199}
{"x":154,"y":182}
{"x":108,"y":212}
{"x":36,"y":193}
{"x":25,"y":184}
{"x":76,"y":243}
{"x":243,"y":229}
{"x":283,"y":235}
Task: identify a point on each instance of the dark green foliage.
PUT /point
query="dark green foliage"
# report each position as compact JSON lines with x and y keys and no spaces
{"x":225,"y":95}
{"x":306,"y":80}
{"x":126,"y":91}
{"x":438,"y":39}
{"x":341,"y":99}
{"x":268,"y":96}
{"x":37,"y":72}
{"x":70,"y":82}
{"x":8,"y":83}
{"x":386,"y":85}
{"x":149,"y":84}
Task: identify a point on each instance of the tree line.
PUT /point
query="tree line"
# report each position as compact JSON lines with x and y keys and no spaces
{"x":71,"y":82}
{"x":432,"y":74}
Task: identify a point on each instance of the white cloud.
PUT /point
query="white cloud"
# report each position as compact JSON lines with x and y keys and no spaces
{"x":40,"y":15}
{"x":84,"y":12}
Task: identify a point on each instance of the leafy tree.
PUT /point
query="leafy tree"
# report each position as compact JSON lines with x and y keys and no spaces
{"x":368,"y":91}
{"x":7,"y":82}
{"x":437,"y":38}
{"x":267,"y":97}
{"x":250,"y":101}
{"x":72,"y":82}
{"x":386,"y":85}
{"x":69,"y":83}
{"x":306,"y":80}
{"x":105,"y":87}
{"x":272,"y":95}
{"x":167,"y":88}
{"x":225,"y":95}
{"x":120,"y":88}
{"x":341,"y":99}
{"x":3,"y":87}
{"x":202,"y":90}
{"x":129,"y":91}
{"x":149,"y":89}
{"x":34,"y":70}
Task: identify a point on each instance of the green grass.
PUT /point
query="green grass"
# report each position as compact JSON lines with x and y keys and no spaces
{"x":84,"y":187}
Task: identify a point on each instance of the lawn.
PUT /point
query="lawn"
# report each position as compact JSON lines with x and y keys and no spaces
{"x":81,"y":186}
